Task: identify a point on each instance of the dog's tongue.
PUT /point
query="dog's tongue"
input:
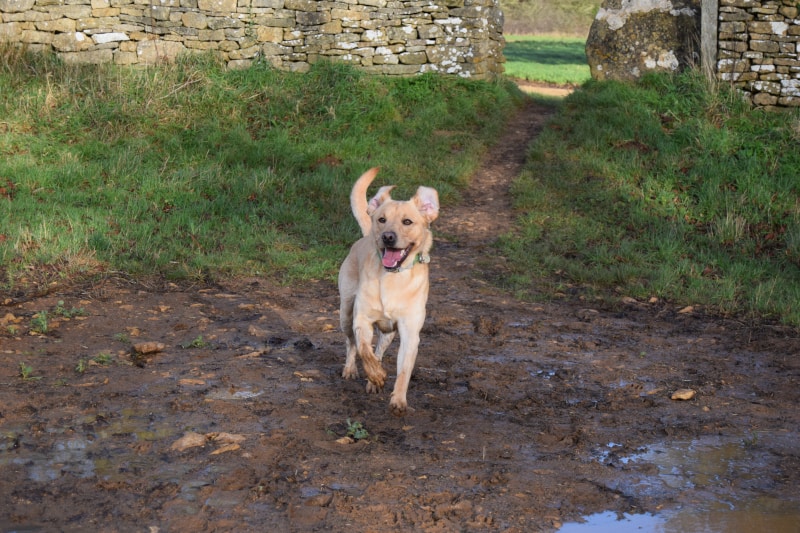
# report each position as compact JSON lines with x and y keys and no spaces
{"x":392,"y":257}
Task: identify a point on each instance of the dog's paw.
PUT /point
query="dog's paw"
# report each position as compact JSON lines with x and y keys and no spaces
{"x":400,"y":409}
{"x":350,"y":373}
{"x":372,"y":388}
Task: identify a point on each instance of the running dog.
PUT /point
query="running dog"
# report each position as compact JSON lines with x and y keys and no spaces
{"x":383,"y":283}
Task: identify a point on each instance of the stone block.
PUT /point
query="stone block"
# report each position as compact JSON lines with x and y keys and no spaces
{"x":73,"y":12}
{"x":333,"y":27}
{"x":316,"y":18}
{"x":16,"y":6}
{"x":102,"y":38}
{"x":195,"y":20}
{"x":217,"y":6}
{"x":96,"y":57}
{"x":301,"y":5}
{"x":62,"y":25}
{"x":413,"y":58}
{"x":10,"y":31}
{"x":37,"y":37}
{"x":764,"y":46}
{"x":125,"y":58}
{"x":106,"y":12}
{"x":266,"y":34}
{"x":157,"y":51}
{"x":272,"y":4}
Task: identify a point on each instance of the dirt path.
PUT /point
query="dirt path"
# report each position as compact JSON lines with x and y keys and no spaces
{"x":527,"y":416}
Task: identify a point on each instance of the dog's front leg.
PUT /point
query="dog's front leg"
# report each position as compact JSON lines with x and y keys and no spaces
{"x":372,"y":366}
{"x":406,"y":357}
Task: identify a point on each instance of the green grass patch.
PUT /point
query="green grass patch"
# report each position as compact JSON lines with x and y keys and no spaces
{"x":667,"y":188}
{"x":189,"y":171}
{"x":547,"y":59}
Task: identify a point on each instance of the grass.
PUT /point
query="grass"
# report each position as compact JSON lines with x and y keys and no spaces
{"x":547,"y":59}
{"x":669,"y":188}
{"x":190,"y":171}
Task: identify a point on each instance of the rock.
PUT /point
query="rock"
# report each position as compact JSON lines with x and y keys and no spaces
{"x":683,"y":394}
{"x":631,"y":37}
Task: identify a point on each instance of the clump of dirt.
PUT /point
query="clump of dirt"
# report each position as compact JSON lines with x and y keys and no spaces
{"x":525,"y":415}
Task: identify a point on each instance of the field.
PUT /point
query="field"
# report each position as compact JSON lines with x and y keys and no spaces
{"x":612,"y":329}
{"x":527,"y":416}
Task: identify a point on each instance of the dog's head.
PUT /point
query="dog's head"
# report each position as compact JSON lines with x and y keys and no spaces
{"x":401,"y":229}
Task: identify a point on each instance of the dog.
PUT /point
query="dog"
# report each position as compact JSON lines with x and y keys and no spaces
{"x":383,"y":283}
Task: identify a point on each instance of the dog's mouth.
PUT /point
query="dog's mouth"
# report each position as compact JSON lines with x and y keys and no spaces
{"x":392,"y":258}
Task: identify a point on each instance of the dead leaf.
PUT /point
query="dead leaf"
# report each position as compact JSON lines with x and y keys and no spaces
{"x":226,"y":448}
{"x":251,"y":355}
{"x":190,"y":381}
{"x":345,"y":440}
{"x":685,"y":310}
{"x":148,"y":347}
{"x":9,"y":319}
{"x":226,"y":438}
{"x":683,"y":394}
{"x":189,"y":440}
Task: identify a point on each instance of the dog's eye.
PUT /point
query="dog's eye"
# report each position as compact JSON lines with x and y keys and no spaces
{"x":382,"y":220}
{"x":407,"y":221}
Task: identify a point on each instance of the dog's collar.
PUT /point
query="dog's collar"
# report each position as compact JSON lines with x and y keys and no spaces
{"x":419,"y":258}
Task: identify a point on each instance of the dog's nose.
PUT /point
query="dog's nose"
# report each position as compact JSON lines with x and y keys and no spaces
{"x":389,"y":239}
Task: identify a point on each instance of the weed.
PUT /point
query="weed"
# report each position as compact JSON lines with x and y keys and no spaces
{"x":103,"y":359}
{"x":356,"y":430}
{"x":39,"y":323}
{"x":122,"y":337}
{"x":198,"y":342}
{"x":80,"y":368}
{"x":62,"y":311}
{"x":26,"y":372}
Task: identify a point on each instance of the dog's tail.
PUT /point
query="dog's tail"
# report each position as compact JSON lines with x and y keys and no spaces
{"x":358,"y":199}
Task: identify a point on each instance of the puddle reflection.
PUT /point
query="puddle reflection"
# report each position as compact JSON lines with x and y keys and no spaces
{"x":718,"y":485}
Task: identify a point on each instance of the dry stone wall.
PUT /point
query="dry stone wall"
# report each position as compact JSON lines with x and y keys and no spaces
{"x":393,"y":37}
{"x":758,"y":49}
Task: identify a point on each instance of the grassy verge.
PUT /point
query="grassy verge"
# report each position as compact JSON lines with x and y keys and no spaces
{"x":668,"y":189}
{"x":547,"y":59}
{"x":190,"y":171}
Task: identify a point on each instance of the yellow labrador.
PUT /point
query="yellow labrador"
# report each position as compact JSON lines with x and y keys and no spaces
{"x":383,"y":282}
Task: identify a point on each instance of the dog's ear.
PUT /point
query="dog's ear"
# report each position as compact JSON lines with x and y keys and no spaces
{"x":382,"y":196}
{"x":427,"y":201}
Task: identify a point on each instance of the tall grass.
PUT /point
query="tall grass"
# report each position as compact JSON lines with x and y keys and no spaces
{"x":189,"y":171}
{"x":668,"y":188}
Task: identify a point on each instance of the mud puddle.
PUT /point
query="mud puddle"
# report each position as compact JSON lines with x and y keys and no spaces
{"x":717,"y":486}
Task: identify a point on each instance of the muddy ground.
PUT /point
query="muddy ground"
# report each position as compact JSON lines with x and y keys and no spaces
{"x":526,"y":416}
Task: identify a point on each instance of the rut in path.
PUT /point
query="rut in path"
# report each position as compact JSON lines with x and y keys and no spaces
{"x":465,"y":232}
{"x":485,"y":211}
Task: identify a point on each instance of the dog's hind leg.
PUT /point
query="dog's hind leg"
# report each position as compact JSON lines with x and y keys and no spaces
{"x":346,"y":323}
{"x":384,"y":340}
{"x":387,"y":330}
